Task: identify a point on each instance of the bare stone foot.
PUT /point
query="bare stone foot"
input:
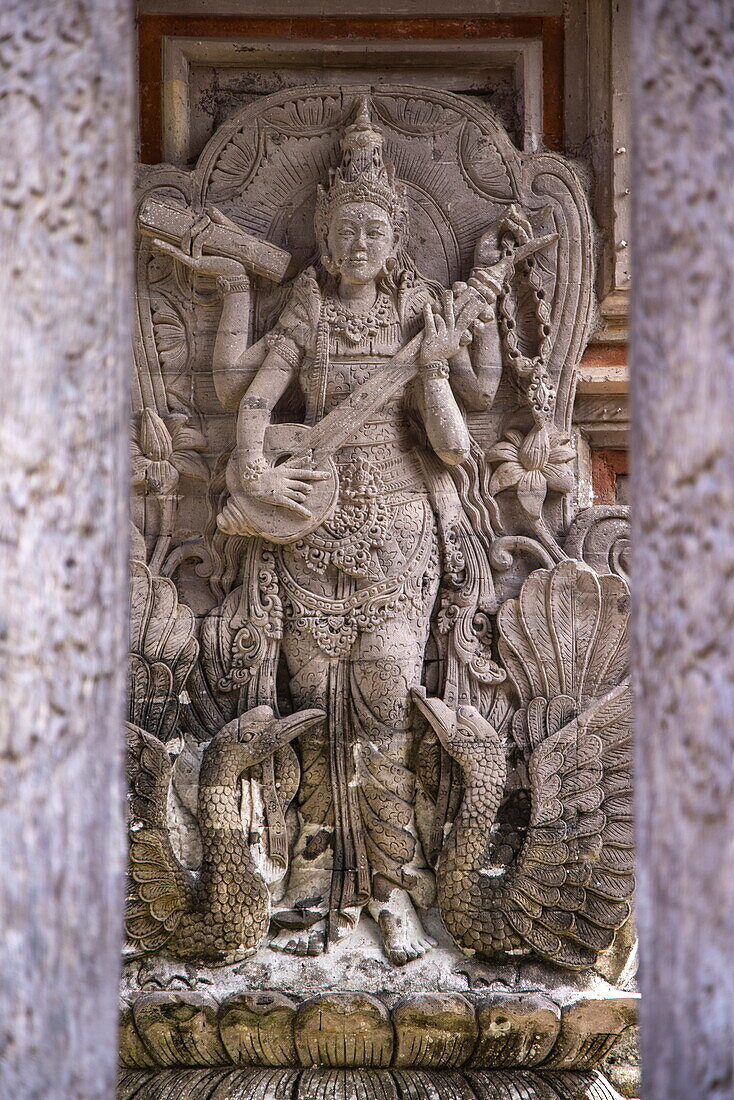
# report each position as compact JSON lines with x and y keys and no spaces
{"x":304,"y":941}
{"x":310,"y":937}
{"x":403,"y":935}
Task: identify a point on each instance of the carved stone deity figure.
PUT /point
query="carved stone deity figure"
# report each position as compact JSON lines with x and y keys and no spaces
{"x":359,"y":587}
{"x":379,"y":695}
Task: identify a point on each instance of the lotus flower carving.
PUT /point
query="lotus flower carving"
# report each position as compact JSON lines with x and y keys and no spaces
{"x":531,"y":465}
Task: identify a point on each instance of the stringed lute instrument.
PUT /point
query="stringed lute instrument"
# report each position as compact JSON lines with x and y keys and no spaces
{"x":313,"y":447}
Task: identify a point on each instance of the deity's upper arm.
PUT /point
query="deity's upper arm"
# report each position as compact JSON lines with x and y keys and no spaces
{"x":270,"y":382}
{"x":287,"y":342}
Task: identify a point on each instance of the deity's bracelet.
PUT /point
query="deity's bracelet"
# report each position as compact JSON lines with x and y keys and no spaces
{"x":439,"y":368}
{"x":232,"y":284}
{"x":250,"y":472}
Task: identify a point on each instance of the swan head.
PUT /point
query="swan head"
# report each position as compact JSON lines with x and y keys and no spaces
{"x":260,"y":732}
{"x":463,"y":732}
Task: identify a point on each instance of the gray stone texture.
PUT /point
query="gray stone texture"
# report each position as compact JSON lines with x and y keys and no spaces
{"x":65,"y":282}
{"x":683,"y":512}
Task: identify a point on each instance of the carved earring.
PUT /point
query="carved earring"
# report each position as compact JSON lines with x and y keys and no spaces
{"x":329,"y":264}
{"x":390,"y":264}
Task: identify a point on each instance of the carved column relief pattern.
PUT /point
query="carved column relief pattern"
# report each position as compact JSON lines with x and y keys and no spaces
{"x":683,"y":390}
{"x":65,"y":279}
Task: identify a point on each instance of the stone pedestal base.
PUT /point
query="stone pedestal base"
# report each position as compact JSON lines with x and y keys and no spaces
{"x":268,"y":1044}
{"x":324,"y":1083}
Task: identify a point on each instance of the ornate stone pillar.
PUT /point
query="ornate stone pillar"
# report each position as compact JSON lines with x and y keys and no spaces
{"x":65,"y":231}
{"x":683,"y":397}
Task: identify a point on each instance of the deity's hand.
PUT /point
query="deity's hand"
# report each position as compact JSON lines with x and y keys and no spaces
{"x":493,"y":255}
{"x":490,"y":281}
{"x":214,"y":266}
{"x":443,"y":337}
{"x":282,"y":486}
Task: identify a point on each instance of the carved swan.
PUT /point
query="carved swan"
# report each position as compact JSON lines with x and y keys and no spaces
{"x":568,"y":888}
{"x":219,"y":914}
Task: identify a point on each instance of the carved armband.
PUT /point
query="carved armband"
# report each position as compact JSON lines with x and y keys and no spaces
{"x":439,"y":368}
{"x":286,"y":348}
{"x":232,"y":284}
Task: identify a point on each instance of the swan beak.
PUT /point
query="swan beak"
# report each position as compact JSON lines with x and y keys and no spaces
{"x":440,"y":717}
{"x":274,"y":733}
{"x":299,"y":722}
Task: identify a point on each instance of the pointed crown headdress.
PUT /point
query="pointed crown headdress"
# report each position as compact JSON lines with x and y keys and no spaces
{"x":362,"y":176}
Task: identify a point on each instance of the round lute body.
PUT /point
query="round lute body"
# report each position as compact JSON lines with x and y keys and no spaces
{"x":313,"y":448}
{"x":243,"y":515}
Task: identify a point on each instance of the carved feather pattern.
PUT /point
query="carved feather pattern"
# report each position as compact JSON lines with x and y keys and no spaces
{"x":573,"y":881}
{"x":484,"y":166}
{"x":414,"y":116}
{"x":567,"y":633}
{"x":581,"y":823}
{"x":211,"y":706}
{"x":171,"y":337}
{"x":160,"y":891}
{"x":163,"y":651}
{"x":235,"y":164}
{"x":570,"y":887}
{"x":308,"y":117}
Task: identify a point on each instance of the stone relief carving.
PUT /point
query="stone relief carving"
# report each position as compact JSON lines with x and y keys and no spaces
{"x":376,"y":681}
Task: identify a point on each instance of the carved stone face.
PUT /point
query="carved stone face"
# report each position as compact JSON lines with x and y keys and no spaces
{"x":361,"y":238}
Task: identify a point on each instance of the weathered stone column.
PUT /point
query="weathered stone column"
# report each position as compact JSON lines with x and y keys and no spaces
{"x":683,"y":475}
{"x":65,"y":244}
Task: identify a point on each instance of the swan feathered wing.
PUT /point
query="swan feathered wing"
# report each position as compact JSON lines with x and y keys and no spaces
{"x":573,"y":880}
{"x":566,"y":634}
{"x":159,"y":890}
{"x":564,"y":643}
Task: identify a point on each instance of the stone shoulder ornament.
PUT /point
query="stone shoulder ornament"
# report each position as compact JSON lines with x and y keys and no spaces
{"x":379,"y":731}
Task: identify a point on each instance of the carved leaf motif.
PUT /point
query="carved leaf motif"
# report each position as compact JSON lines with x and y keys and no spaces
{"x":235,"y":165}
{"x":414,"y":116}
{"x":163,"y":650}
{"x":172,"y":339}
{"x":306,"y":117}
{"x":483,"y":165}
